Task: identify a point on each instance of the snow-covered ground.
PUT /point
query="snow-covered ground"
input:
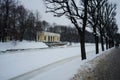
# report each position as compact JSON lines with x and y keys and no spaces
{"x":16,"y":63}
{"x":21,"y":45}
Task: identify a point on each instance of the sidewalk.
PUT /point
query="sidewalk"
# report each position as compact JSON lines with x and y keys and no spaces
{"x":105,"y":67}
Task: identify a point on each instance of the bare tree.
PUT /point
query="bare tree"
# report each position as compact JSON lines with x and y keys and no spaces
{"x":1,"y":21}
{"x":44,"y":25}
{"x":5,"y":11}
{"x":110,"y":23}
{"x":76,"y":11}
{"x":15,"y":21}
{"x":113,"y":28}
{"x":38,"y":22}
{"x":30,"y":31}
{"x":100,"y":16}
{"x":107,"y":24}
{"x":22,"y":20}
{"x":94,"y":7}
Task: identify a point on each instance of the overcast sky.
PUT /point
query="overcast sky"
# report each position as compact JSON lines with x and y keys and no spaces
{"x":38,"y":5}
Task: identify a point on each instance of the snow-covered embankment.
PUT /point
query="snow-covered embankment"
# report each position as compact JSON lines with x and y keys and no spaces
{"x":14,"y":45}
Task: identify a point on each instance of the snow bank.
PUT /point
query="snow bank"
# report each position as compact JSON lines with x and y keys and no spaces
{"x":21,"y":45}
{"x":103,"y":67}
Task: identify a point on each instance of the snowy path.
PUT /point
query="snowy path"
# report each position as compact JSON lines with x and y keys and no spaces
{"x":31,"y":74}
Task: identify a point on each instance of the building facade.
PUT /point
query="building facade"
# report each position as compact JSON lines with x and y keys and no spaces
{"x":48,"y":37}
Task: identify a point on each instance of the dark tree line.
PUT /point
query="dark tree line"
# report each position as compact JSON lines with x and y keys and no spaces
{"x":17,"y":22}
{"x":99,"y":15}
{"x":70,"y":34}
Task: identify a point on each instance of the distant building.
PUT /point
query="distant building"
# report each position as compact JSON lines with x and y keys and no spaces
{"x":48,"y":37}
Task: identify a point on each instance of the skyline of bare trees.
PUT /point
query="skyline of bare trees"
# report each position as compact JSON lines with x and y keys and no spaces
{"x":98,"y":14}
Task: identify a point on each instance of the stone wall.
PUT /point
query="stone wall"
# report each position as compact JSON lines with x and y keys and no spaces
{"x":104,"y":67}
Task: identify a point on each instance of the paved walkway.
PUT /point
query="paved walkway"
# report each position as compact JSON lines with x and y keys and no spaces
{"x":110,"y":67}
{"x":105,"y":67}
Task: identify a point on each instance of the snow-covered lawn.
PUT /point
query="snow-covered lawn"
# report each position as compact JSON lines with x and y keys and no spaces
{"x":16,"y":63}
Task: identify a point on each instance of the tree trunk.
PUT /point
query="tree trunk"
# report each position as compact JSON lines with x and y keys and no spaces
{"x":102,"y":42}
{"x":82,"y":32}
{"x":112,"y":43}
{"x":109,"y":43}
{"x":96,"y":40}
{"x":82,"y":44}
{"x":97,"y":44}
{"x":21,"y":35}
{"x":106,"y":40}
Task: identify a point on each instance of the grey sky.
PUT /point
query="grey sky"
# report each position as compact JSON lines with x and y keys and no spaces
{"x":38,"y":5}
